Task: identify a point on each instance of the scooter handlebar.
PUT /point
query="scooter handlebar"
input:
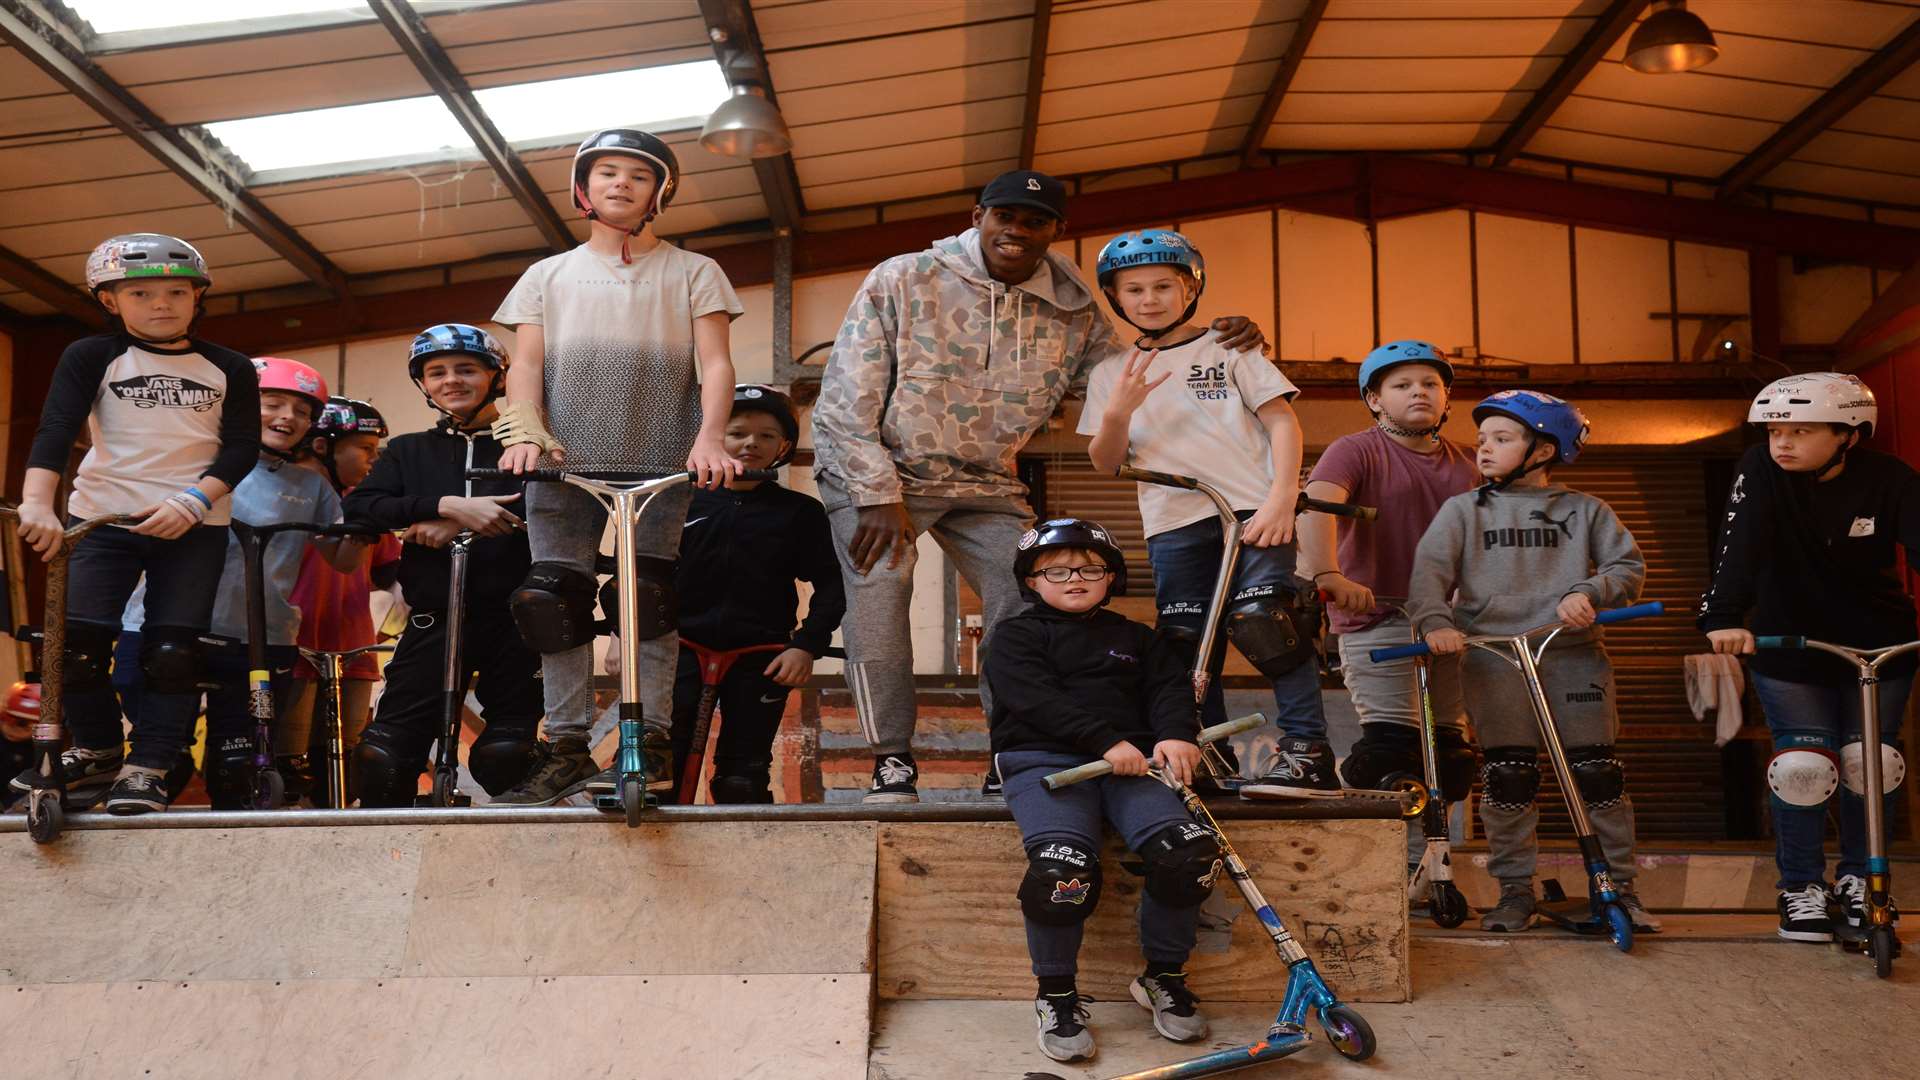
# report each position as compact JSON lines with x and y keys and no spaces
{"x":1780,"y":641}
{"x":1611,"y":615}
{"x":1056,"y":781}
{"x":1303,"y":505}
{"x":612,"y":475}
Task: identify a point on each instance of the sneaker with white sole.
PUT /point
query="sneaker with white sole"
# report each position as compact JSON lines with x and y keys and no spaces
{"x":1850,"y":896}
{"x":1643,"y":920}
{"x":85,"y":774}
{"x":138,"y":790}
{"x":1803,"y":913}
{"x":564,"y":767}
{"x":1064,"y":1035}
{"x":1302,"y":769}
{"x":1516,"y":910}
{"x":896,"y":779}
{"x":1176,"y":1012}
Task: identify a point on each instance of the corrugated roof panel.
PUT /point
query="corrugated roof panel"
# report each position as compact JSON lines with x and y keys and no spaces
{"x":1882,"y":115}
{"x":1211,"y":84}
{"x":1851,"y":183}
{"x":68,"y":201}
{"x":1161,"y":28}
{"x":630,"y":42}
{"x":21,"y":77}
{"x":1156,"y":123}
{"x":1380,"y":136}
{"x":258,"y":52}
{"x":936,"y":180}
{"x":710,"y":213}
{"x":265,"y":274}
{"x":1666,"y":125}
{"x":403,"y":254}
{"x":1340,"y":36}
{"x":1130,"y":154}
{"x":1632,"y":153}
{"x":1450,"y":74}
{"x":1465,"y":9}
{"x":984,"y":43}
{"x":824,"y":21}
{"x":47,"y":114}
{"x":373,"y":194}
{"x":38,"y":239}
{"x":1832,"y":22}
{"x":1904,"y":85}
{"x":1000,"y":114}
{"x":26,"y":304}
{"x":599,"y":65}
{"x":907,"y":157}
{"x":510,"y":22}
{"x":1744,"y":57}
{"x":1876,"y":153}
{"x":1261,"y":47}
{"x":56,"y":161}
{"x":1733,"y":97}
{"x":295,"y":88}
{"x":448,"y":219}
{"x":227,"y":249}
{"x":1429,"y":107}
{"x":914,"y":90}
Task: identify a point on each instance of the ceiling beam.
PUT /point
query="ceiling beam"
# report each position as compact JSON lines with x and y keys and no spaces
{"x":1282,"y":79}
{"x":1036,"y":79}
{"x":1860,"y":84}
{"x":43,"y":39}
{"x":736,"y":45}
{"x":410,"y":32}
{"x":1607,"y":28}
{"x":36,"y":282}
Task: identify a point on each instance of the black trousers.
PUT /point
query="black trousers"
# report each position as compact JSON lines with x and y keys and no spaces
{"x":409,"y":715}
{"x":750,"y":707}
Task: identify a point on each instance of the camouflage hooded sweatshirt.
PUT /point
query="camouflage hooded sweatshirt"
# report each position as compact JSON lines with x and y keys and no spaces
{"x":941,"y":374}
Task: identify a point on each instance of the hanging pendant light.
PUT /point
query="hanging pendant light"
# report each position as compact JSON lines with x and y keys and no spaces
{"x":747,"y":125}
{"x":1670,"y":40}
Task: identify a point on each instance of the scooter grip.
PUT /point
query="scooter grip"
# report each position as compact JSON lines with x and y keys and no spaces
{"x":1305,"y":504}
{"x":1148,"y":476}
{"x":1399,"y":652}
{"x":1232,"y":727}
{"x":509,"y":474}
{"x":1780,"y":641}
{"x":1637,"y":611}
{"x":1056,"y":781}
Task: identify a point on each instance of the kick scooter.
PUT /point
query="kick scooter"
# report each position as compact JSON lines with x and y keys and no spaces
{"x":1866,"y":772}
{"x":714,"y":665}
{"x":1306,"y":990}
{"x":625,"y":493}
{"x":45,"y":799}
{"x":330,"y":700}
{"x":1606,"y":915}
{"x":1212,"y":653}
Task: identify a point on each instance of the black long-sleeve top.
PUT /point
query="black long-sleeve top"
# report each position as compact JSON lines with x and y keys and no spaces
{"x":406,"y":485}
{"x":1817,"y":560}
{"x":1078,"y":684}
{"x":740,"y":553}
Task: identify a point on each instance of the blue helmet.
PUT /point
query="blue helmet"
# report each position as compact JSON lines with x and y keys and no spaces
{"x":1395,"y":353}
{"x":1542,"y":414}
{"x":1151,"y":247}
{"x":451,"y":339}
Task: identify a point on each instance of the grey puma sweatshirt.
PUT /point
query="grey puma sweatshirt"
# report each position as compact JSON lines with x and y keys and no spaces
{"x":1503,"y":566}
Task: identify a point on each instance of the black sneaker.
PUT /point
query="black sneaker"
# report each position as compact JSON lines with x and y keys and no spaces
{"x":564,"y":768}
{"x":1063,"y":1027}
{"x":1850,"y":896}
{"x":138,"y":790}
{"x":85,"y":774}
{"x":991,"y":787}
{"x":1803,"y":914}
{"x":895,"y":780}
{"x":1176,"y":1013}
{"x":1302,"y":769}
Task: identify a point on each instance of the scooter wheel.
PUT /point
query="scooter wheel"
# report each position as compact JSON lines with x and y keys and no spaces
{"x":1620,"y":927}
{"x":1449,"y":907}
{"x":1882,"y":945}
{"x":45,"y":818}
{"x":273,"y":790}
{"x":442,"y":790}
{"x":1348,"y":1033}
{"x":633,"y":798}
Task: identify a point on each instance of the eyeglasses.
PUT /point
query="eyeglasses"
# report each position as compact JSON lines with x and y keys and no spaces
{"x":1060,"y":575}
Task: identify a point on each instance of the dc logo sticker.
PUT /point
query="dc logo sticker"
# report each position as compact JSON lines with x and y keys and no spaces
{"x":1029,"y":538}
{"x":1033,"y":184}
{"x":1073,"y":891}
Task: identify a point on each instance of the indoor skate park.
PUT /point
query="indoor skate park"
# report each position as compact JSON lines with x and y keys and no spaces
{"x":1666,"y":250}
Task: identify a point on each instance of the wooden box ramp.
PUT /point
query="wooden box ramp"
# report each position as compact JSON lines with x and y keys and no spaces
{"x":735,"y":949}
{"x":948,"y":925}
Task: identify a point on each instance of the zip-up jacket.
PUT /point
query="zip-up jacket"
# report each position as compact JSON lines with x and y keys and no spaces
{"x":1078,"y":684}
{"x":1819,"y":560}
{"x":740,"y":553}
{"x":405,"y":487}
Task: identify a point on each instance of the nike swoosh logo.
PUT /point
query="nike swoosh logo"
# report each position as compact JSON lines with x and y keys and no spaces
{"x":768,"y":699}
{"x":695,"y":521}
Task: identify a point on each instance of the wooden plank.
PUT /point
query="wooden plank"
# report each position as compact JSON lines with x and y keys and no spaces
{"x":948,"y":926}
{"x":736,"y":897}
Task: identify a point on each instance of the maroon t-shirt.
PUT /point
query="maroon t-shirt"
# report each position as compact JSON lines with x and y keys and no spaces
{"x":1407,"y":488}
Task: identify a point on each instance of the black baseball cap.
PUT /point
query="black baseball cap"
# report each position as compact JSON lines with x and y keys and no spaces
{"x":1024,"y":187}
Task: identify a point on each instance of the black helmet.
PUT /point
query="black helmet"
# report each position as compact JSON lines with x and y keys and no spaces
{"x":1069,"y":533}
{"x":630,"y":143}
{"x":348,"y":416}
{"x":759,"y":397}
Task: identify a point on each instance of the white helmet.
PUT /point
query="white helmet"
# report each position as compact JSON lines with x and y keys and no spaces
{"x":1821,"y":397}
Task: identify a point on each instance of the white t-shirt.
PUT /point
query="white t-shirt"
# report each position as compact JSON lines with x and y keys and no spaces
{"x":622,"y":384}
{"x":1198,"y":423}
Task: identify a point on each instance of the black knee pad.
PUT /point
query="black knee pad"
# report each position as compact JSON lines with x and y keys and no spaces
{"x":87,"y":658}
{"x":553,"y":607}
{"x":386,"y":768}
{"x":228,"y":767}
{"x":1600,"y":776}
{"x":1456,"y":760}
{"x":1383,"y":753}
{"x":1275,"y":631}
{"x":1062,"y":884}
{"x":173,"y":659}
{"x":500,"y":763}
{"x":1510,"y":777}
{"x":742,"y":788}
{"x":1183,"y":861}
{"x":659,"y":605}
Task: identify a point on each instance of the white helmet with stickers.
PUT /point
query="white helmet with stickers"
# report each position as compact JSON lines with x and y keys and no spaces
{"x":1819,"y":397}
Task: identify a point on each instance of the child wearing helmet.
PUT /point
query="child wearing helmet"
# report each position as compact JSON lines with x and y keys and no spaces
{"x":1519,"y":552}
{"x":175,"y":424}
{"x":1814,"y":528}
{"x":1401,"y":465}
{"x":1072,"y":683}
{"x":622,"y":362}
{"x":1226,"y":418}
{"x":419,"y":484}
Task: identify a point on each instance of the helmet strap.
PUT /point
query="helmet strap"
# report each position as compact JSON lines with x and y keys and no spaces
{"x":1838,"y":459}
{"x":1397,"y":431}
{"x":1502,"y":483}
{"x":453,"y":421}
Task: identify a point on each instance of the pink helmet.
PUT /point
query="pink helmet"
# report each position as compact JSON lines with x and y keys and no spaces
{"x":21,"y":712}
{"x":293,"y":377}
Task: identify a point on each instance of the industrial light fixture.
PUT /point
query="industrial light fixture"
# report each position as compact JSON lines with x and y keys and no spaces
{"x":1670,"y":40}
{"x":747,"y":125}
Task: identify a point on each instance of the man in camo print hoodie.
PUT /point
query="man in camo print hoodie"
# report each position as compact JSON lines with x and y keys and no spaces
{"x":949,"y":360}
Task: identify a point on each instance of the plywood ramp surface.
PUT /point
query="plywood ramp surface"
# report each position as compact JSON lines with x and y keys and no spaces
{"x":948,"y":925}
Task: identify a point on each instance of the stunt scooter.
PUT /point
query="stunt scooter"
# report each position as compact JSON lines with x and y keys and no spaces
{"x":1865,"y":772}
{"x":1212,"y":652}
{"x":625,"y":493}
{"x":1306,"y":990}
{"x":714,"y":665}
{"x":45,"y":799}
{"x":1606,"y":915}
{"x":330,"y":702}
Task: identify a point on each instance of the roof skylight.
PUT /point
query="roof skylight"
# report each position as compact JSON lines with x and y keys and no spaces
{"x":116,"y":16}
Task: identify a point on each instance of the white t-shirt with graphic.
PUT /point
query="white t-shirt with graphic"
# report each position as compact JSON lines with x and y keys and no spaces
{"x":1198,"y":423}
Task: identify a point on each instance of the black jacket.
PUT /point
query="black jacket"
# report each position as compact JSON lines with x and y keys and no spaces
{"x":406,"y":485}
{"x":1078,"y":684}
{"x":1819,"y":560}
{"x":740,"y":553}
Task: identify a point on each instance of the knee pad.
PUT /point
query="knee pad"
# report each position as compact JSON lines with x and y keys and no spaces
{"x":1383,"y":752}
{"x":1853,"y":768}
{"x":653,"y":588}
{"x":1803,"y":771}
{"x":553,"y":607}
{"x":740,"y":789}
{"x":1183,"y":861}
{"x":1273,"y":631}
{"x":87,"y":657}
{"x":1062,"y":884}
{"x":228,"y":767}
{"x":1456,"y":760}
{"x":1600,"y":776}
{"x":386,"y":770}
{"x":173,"y":660}
{"x":1510,"y":777}
{"x":500,"y":763}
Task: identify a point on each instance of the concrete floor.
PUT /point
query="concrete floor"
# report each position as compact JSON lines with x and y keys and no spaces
{"x":1713,"y":997}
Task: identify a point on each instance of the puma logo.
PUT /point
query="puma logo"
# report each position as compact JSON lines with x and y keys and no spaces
{"x":1565,"y":525}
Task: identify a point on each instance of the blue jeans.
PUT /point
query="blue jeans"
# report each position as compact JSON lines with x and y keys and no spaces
{"x":1185,"y":562}
{"x":101,"y":575}
{"x":1826,"y":717}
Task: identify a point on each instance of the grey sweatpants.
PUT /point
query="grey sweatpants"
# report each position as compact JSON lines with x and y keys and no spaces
{"x":564,"y":525}
{"x":1386,"y":693}
{"x":1579,"y":685}
{"x":980,"y":536}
